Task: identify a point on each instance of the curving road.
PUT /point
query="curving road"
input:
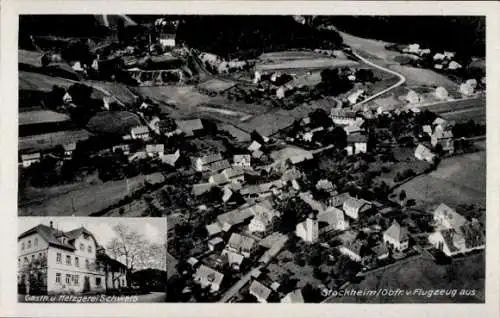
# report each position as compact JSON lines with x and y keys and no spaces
{"x":401,"y":81}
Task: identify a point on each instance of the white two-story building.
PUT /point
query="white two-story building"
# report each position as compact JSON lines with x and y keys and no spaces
{"x":64,"y":261}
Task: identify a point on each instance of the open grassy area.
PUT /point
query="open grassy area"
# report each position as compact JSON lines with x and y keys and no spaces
{"x":51,"y":140}
{"x":467,"y":273}
{"x":74,"y":199}
{"x":457,"y":180}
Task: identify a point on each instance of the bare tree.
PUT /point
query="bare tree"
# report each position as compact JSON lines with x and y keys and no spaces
{"x":136,"y":251}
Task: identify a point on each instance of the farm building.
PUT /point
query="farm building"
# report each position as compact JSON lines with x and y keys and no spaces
{"x":413,"y":97}
{"x":352,"y":250}
{"x":340,"y":116}
{"x":208,"y":277}
{"x":397,"y":237}
{"x":259,"y":291}
{"x":463,"y":239}
{"x":190,"y":127}
{"x":424,"y":153}
{"x":356,"y":143}
{"x":29,"y":159}
{"x":140,"y":132}
{"x":43,"y":121}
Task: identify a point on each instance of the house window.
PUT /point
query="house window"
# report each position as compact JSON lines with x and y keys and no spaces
{"x":29,"y":244}
{"x":68,"y":259}
{"x":68,"y":279}
{"x":58,"y":278}
{"x":36,"y":242}
{"x":22,"y":246}
{"x":98,"y":281}
{"x":58,"y":258}
{"x":87,"y":264}
{"x":40,"y":255}
{"x":85,"y":236}
{"x":76,"y":279}
{"x":77,"y":262}
{"x":26,"y":261}
{"x":89,"y":249}
{"x":82,"y":247}
{"x":33,"y":257}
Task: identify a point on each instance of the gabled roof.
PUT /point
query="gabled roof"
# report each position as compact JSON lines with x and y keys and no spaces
{"x":241,"y":242}
{"x":219,"y":179}
{"x":69,"y":146}
{"x":423,"y":151}
{"x":189,"y":126}
{"x":31,"y":156}
{"x":155,"y":148}
{"x":357,"y":138}
{"x":294,"y":296}
{"x":397,"y":232}
{"x":233,"y":172}
{"x":342,"y":113}
{"x":259,"y":290}
{"x":234,"y":217}
{"x":254,"y":146}
{"x":206,"y":273}
{"x":339,"y":200}
{"x":200,"y":188}
{"x":240,"y":158}
{"x":355,"y":247}
{"x":331,"y":216}
{"x":50,"y":235}
{"x":232,"y":257}
{"x":213,"y":229}
{"x":354,"y":203}
{"x":140,"y":129}
{"x":207,"y":159}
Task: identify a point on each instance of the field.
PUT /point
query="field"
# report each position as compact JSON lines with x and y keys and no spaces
{"x":50,"y":140}
{"x":31,"y":58}
{"x":457,"y":180}
{"x":113,"y":122}
{"x":216,"y":85}
{"x":41,"y":116}
{"x":298,"y":61}
{"x":419,"y":76}
{"x":74,"y":199}
{"x":477,"y":114}
{"x":31,"y":81}
{"x":467,"y":273}
{"x":117,"y":90}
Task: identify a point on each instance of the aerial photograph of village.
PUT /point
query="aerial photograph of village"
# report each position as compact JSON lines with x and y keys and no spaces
{"x":295,"y":159}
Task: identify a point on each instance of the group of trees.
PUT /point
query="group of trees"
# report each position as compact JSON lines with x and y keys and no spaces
{"x":249,"y":36}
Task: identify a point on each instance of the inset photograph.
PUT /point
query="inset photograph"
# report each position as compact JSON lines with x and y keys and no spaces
{"x":91,"y":260}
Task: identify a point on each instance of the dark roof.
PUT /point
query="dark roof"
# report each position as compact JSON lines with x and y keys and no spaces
{"x":51,"y":235}
{"x":110,"y":261}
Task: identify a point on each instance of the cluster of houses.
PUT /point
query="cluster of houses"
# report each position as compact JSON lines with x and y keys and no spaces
{"x":442,"y":60}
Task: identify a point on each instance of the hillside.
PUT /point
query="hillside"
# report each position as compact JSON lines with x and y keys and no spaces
{"x":233,"y":36}
{"x":465,"y":35}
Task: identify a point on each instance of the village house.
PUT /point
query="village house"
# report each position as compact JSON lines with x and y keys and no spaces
{"x":213,"y":229}
{"x":171,"y":158}
{"x":68,"y":150}
{"x":29,"y":159}
{"x":124,"y":148}
{"x":427,"y":129}
{"x":190,"y":127}
{"x":155,"y":150}
{"x":397,"y":237}
{"x":308,"y":230}
{"x":424,"y":153}
{"x":259,"y":291}
{"x":332,"y":219}
{"x":338,"y":200}
{"x":241,"y":244}
{"x":353,"y":250}
{"x":234,"y":174}
{"x":254,"y":146}
{"x":167,"y":40}
{"x":263,"y":190}
{"x":73,"y":261}
{"x":208,"y":277}
{"x":203,"y":163}
{"x":354,"y":207}
{"x":356,"y":127}
{"x":308,"y":136}
{"x":243,"y":161}
{"x":293,"y":297}
{"x":202,"y":188}
{"x":356,"y":143}
{"x":234,"y":218}
{"x":264,"y":218}
{"x":233,"y":259}
{"x":216,"y":243}
{"x":443,"y":138}
{"x":342,"y":117}
{"x":459,"y":240}
{"x":218,"y":179}
{"x":140,"y":132}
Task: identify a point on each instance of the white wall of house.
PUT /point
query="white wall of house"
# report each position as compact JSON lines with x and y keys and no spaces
{"x":355,"y":257}
{"x":399,"y":245}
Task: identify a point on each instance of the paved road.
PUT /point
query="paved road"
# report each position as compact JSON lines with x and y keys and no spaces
{"x":401,"y":81}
